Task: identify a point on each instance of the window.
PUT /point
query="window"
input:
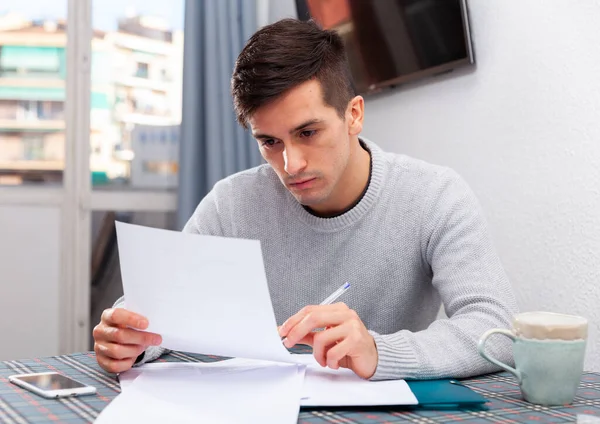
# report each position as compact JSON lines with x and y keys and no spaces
{"x":32,"y":94}
{"x":33,"y":147}
{"x":137,"y":63}
{"x":142,"y":70}
{"x":8,"y":110}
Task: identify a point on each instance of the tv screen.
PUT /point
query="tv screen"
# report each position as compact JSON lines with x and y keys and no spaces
{"x":390,"y":42}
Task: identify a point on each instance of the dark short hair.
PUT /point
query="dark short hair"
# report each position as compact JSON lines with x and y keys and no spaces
{"x":285,"y":54}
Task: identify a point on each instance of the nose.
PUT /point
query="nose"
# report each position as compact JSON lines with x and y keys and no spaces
{"x":294,"y":160}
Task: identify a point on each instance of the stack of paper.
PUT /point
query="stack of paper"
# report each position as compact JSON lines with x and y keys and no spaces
{"x":210,"y":295}
{"x":321,"y":386}
{"x":211,"y":395}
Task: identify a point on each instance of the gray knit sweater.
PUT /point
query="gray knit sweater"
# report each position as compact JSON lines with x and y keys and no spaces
{"x":417,"y":237}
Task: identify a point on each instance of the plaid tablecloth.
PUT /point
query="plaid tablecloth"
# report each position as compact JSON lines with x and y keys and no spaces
{"x":505,"y":403}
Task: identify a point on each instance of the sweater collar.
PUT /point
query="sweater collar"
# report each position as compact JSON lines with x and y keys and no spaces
{"x":360,"y":209}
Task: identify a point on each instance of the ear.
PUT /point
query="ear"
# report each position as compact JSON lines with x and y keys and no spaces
{"x":355,"y":114}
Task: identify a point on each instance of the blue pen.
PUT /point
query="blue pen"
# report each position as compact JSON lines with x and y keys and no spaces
{"x":333,"y":297}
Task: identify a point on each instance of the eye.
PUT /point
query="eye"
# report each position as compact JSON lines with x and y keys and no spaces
{"x":268,"y":143}
{"x":307,"y":133}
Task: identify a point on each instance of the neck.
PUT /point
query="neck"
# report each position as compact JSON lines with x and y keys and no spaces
{"x":351,"y":186}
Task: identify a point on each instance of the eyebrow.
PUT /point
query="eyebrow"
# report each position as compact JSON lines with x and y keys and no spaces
{"x":298,"y":128}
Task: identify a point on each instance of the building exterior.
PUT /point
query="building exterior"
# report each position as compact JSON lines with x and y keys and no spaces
{"x":147,"y":76}
{"x":136,"y":79}
{"x":32,"y":96}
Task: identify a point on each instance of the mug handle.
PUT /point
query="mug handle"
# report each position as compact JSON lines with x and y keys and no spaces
{"x":481,"y":349}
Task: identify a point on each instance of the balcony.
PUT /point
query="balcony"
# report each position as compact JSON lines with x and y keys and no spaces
{"x":31,"y":125}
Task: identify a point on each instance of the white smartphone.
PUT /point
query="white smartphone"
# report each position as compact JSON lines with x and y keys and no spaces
{"x":51,"y":384}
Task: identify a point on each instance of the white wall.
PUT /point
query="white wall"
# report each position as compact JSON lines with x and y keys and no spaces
{"x":523,"y":129}
{"x":279,"y":9}
{"x":29,"y":281}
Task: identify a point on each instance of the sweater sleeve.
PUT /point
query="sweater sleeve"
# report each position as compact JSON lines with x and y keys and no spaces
{"x":205,"y":220}
{"x":458,"y":255}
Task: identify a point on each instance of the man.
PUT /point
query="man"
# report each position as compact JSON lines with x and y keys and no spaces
{"x":330,"y":207}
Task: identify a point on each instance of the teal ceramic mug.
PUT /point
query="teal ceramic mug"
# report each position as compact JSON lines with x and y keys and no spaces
{"x":549,"y":350}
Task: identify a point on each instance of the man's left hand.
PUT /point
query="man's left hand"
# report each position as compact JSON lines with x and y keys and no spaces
{"x":344,"y":342}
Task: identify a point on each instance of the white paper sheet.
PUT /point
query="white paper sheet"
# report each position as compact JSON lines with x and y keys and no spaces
{"x":137,"y":407}
{"x":322,"y":386}
{"x":267,"y":394}
{"x":202,"y":294}
{"x":342,"y":387}
{"x":126,"y":378}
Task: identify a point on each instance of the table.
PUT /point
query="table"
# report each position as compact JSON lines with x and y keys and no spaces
{"x":505,"y":403}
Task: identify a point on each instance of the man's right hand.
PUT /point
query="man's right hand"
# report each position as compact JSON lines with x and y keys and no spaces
{"x":118,"y":341}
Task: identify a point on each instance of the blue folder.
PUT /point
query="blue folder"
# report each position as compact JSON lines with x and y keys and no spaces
{"x":444,"y":394}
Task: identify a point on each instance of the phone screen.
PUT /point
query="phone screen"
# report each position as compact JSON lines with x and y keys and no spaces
{"x":52,"y":381}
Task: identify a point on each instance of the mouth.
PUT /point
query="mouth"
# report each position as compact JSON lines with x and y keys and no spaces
{"x":302,"y":184}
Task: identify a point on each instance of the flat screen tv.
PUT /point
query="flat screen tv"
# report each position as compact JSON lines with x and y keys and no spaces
{"x":391,"y":42}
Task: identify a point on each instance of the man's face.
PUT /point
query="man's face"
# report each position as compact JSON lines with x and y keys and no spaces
{"x":307,"y":144}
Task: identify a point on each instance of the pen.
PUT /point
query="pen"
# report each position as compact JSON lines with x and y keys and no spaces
{"x":333,"y":297}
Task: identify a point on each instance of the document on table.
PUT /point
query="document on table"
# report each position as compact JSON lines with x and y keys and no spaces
{"x":342,"y":387}
{"x":202,"y":294}
{"x":321,"y":387}
{"x":192,"y":394}
{"x":229,"y":365}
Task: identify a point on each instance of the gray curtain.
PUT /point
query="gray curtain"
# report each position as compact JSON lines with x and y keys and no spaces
{"x":212,"y":144}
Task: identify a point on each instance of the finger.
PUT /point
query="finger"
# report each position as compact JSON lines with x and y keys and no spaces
{"x":337,"y":353}
{"x":118,"y":351}
{"x":120,"y":316}
{"x":129,"y":336}
{"x":306,"y":340}
{"x":114,"y":365}
{"x":295,"y":319}
{"x":325,"y":340}
{"x":318,"y":318}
